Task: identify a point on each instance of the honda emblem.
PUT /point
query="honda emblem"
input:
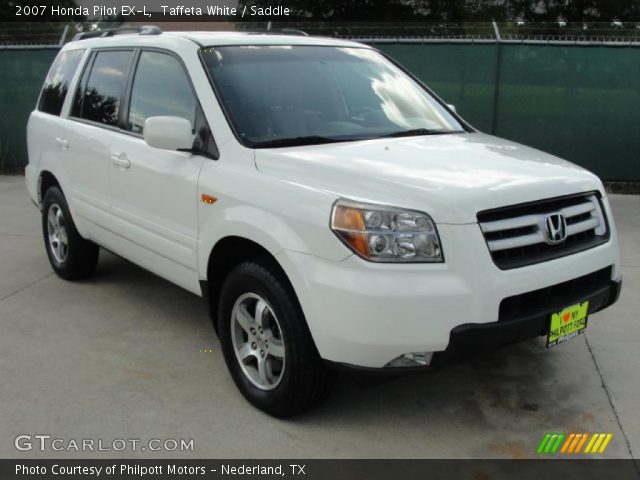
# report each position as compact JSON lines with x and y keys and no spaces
{"x":555,"y":227}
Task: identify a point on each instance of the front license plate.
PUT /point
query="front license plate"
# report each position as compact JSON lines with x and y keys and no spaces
{"x":567,"y":323}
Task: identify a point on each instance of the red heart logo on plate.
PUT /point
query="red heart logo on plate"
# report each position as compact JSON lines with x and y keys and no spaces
{"x":566,"y":317}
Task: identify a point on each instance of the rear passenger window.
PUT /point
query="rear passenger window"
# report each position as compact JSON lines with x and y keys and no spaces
{"x":160,"y":87}
{"x":56,"y":85}
{"x":102,"y":96}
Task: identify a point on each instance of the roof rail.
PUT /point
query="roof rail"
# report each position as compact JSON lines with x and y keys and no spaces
{"x":109,"y":32}
{"x":293,"y":31}
{"x":282,"y":31}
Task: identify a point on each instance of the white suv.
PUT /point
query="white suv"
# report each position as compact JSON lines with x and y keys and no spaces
{"x":331,"y":209}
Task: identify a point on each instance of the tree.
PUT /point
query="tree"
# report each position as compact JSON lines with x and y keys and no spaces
{"x":45,"y":29}
{"x":460,"y":10}
{"x":8,"y":9}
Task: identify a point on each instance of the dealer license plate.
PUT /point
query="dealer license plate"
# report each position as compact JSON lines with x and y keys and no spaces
{"x":567,"y":323}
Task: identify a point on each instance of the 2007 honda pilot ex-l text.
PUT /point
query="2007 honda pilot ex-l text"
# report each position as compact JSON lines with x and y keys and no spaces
{"x":331,"y":209}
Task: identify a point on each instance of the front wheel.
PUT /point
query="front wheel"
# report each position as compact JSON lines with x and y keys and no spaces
{"x":266,"y":342}
{"x":71,"y":256}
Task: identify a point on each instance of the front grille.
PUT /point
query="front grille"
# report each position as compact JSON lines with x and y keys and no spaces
{"x":556,"y":297}
{"x":516,"y":234}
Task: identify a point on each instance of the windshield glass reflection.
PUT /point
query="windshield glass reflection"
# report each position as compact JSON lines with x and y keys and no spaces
{"x":288,"y":95}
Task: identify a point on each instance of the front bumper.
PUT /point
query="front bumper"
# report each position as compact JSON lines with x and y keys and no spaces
{"x":472,"y":338}
{"x":365,"y":314}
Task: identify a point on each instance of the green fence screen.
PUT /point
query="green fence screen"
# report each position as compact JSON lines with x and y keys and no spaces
{"x":581,"y":103}
{"x":22,"y":72}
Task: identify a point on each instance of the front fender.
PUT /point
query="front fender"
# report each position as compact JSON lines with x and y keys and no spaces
{"x":273,"y":232}
{"x":276,"y":214}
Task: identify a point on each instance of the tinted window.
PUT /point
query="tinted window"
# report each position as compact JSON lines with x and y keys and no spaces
{"x":276,"y":93}
{"x":160,"y":87}
{"x":105,"y":87}
{"x":57,"y":82}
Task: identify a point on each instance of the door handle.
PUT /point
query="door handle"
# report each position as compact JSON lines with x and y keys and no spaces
{"x":121,"y":160}
{"x":63,"y":143}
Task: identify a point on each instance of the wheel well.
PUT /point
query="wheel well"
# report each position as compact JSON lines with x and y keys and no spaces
{"x":226,"y":254}
{"x":47,"y":180}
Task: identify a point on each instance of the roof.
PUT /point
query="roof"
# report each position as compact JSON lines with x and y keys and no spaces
{"x":259,"y":38}
{"x":211,"y":39}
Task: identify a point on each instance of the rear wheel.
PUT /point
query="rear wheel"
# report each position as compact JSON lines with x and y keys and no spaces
{"x":266,"y":342}
{"x":71,"y":256}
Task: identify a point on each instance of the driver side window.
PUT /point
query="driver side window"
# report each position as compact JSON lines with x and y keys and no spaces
{"x":160,"y":87}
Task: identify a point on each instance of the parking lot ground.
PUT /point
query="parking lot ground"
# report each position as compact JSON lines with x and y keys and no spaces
{"x":126,"y":355}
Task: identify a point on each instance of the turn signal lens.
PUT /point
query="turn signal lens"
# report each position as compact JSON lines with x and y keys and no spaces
{"x":386,"y":234}
{"x":350,"y":225}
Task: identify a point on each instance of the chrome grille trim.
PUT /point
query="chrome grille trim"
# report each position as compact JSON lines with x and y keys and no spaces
{"x":531,"y":239}
{"x":519,"y":240}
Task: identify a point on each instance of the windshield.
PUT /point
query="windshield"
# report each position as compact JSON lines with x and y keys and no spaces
{"x":295,"y":95}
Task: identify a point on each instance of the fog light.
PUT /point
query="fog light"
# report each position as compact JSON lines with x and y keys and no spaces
{"x":415,"y":359}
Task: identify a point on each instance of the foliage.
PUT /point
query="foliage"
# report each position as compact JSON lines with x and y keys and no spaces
{"x":461,"y":10}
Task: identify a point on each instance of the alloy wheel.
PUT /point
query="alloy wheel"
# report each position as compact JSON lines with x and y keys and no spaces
{"x":258,"y":341}
{"x":57,"y":233}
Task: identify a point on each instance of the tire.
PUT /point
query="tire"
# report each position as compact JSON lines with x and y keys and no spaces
{"x":295,"y":378}
{"x":76,"y":259}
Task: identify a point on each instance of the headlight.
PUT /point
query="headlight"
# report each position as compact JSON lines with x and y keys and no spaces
{"x":386,"y":234}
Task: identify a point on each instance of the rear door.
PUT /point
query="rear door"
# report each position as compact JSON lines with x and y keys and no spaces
{"x":154,"y":192}
{"x":87,"y":135}
{"x":47,"y":148}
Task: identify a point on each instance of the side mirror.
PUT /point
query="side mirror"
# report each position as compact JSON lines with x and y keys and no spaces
{"x":168,"y":133}
{"x":452,"y":107}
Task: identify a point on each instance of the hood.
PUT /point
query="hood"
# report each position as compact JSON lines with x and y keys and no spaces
{"x":451,"y":177}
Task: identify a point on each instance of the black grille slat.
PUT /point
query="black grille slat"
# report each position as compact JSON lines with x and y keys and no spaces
{"x":542,"y":206}
{"x":555,"y":297}
{"x":578,"y":218}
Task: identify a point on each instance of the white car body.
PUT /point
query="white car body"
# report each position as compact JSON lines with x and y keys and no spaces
{"x":360,"y":313}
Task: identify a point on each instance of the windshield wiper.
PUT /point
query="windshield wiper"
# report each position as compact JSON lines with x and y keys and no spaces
{"x":297,"y":141}
{"x":419,"y":131}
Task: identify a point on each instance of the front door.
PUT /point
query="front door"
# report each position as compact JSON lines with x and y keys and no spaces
{"x":154,"y":192}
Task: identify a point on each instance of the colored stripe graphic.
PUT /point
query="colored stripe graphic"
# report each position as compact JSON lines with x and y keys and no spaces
{"x":555,"y":447}
{"x":552,"y":440}
{"x":605,"y":442}
{"x":598,"y":443}
{"x":550,"y":443}
{"x":573,"y":443}
{"x":581,"y":442}
{"x":568,"y":442}
{"x":591,"y":442}
{"x":543,"y":443}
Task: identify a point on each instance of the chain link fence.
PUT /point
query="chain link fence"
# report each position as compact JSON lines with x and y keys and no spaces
{"x":21,"y":35}
{"x":468,"y":32}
